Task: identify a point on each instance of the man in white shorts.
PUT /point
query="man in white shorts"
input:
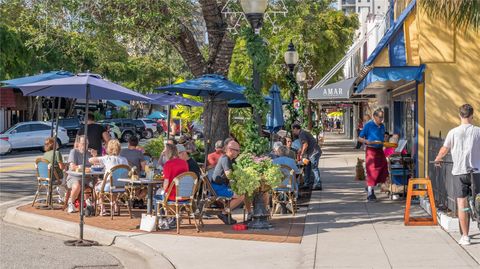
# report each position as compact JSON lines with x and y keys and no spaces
{"x":464,"y":143}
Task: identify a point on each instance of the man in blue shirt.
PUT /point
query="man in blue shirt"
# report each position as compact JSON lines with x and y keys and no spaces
{"x":375,"y":162}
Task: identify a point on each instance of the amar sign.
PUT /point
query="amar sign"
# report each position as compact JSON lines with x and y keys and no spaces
{"x":333,"y":92}
{"x":337,"y":90}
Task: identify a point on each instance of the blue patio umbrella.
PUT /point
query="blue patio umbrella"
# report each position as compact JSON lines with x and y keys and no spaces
{"x":242,"y":103}
{"x":12,"y":83}
{"x":275,"y":116}
{"x":171,"y":99}
{"x":88,"y":86}
{"x":213,"y":87}
{"x":157,"y":115}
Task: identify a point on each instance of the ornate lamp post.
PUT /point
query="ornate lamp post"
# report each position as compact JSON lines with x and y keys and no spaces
{"x":291,"y":59}
{"x":254,"y":11}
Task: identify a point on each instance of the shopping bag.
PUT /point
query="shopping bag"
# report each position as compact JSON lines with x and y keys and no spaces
{"x":148,"y":222}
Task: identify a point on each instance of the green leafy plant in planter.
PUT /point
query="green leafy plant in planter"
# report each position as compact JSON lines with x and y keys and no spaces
{"x":199,"y":154}
{"x":154,"y":147}
{"x":252,"y":174}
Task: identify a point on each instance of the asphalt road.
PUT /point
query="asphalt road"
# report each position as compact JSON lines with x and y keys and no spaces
{"x":27,"y":248}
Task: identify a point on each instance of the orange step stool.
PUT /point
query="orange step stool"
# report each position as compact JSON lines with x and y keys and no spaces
{"x":424,"y":188}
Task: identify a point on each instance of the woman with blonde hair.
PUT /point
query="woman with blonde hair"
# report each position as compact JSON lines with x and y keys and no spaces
{"x":112,"y":159}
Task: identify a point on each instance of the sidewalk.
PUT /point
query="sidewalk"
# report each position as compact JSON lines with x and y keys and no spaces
{"x":341,"y":230}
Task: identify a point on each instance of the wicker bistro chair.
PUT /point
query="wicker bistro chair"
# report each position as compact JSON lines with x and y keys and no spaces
{"x":42,"y":167}
{"x":286,"y":193}
{"x":211,"y":202}
{"x":186,"y":185}
{"x":116,"y":190}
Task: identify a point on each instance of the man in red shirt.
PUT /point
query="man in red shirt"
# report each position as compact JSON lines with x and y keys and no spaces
{"x":214,"y":156}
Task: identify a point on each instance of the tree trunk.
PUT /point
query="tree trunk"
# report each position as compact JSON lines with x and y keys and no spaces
{"x":69,"y":107}
{"x":219,"y":58}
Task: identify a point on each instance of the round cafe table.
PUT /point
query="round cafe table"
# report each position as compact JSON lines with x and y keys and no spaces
{"x":150,"y":183}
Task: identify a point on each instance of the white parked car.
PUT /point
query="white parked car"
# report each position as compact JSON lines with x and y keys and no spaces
{"x":32,"y":134}
{"x":5,"y":147}
{"x":151,"y":126}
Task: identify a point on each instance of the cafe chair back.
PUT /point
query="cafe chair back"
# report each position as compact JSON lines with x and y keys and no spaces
{"x":111,"y":192}
{"x":43,"y":170}
{"x":210,"y":202}
{"x":286,"y":193}
{"x":186,"y":185}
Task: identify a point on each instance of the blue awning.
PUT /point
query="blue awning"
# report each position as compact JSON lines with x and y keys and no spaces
{"x":406,"y":73}
{"x":118,"y":103}
{"x":397,"y":53}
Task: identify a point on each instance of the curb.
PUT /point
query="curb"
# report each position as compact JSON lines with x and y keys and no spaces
{"x":122,"y":240}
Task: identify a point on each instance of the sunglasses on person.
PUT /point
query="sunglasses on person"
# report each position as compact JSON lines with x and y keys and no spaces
{"x":236,"y":150}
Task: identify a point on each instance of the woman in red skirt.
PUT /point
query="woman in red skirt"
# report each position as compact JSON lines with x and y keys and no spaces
{"x":375,"y":162}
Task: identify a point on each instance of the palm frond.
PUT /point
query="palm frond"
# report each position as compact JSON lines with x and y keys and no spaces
{"x":461,"y":14}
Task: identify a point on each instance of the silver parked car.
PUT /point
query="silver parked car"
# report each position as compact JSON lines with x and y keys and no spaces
{"x":32,"y":134}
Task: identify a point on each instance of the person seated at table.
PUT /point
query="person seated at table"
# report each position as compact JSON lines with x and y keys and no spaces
{"x":163,"y":159}
{"x":275,"y":147}
{"x":284,"y":159}
{"x":192,"y":164}
{"x":188,"y":143}
{"x":110,"y":160}
{"x":48,"y":155}
{"x":390,"y":151}
{"x":75,"y":160}
{"x":213,"y":157}
{"x":220,"y":179}
{"x":134,"y":156}
{"x":172,"y":168}
{"x":291,"y":152}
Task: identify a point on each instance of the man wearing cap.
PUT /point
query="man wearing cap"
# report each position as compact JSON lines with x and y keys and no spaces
{"x":215,"y":156}
{"x":221,"y":179}
{"x":192,"y":164}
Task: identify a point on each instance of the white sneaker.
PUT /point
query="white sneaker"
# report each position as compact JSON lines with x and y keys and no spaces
{"x":464,"y":240}
{"x":71,"y":208}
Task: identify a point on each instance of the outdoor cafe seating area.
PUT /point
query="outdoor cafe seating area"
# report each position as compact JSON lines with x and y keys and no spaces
{"x":196,"y":202}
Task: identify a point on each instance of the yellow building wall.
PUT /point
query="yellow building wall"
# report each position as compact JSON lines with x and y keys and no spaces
{"x":382,"y":59}
{"x":452,"y":59}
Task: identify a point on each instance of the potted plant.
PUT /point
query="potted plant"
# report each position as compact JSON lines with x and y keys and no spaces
{"x":254,"y":176}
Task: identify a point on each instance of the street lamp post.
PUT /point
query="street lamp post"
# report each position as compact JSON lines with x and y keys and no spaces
{"x":301,"y":76}
{"x":291,"y":59}
{"x":254,"y":11}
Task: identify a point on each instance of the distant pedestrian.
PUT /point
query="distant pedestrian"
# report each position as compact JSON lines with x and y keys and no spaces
{"x":464,"y":143}
{"x":375,"y":162}
{"x":359,"y":129}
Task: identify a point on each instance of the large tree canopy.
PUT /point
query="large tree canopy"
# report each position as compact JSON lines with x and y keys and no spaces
{"x":144,"y":43}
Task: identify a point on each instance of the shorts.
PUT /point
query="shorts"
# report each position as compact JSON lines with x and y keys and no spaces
{"x":462,"y":185}
{"x":71,"y":181}
{"x":222,"y":190}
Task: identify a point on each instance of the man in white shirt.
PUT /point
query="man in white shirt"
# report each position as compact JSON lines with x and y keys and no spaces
{"x":464,"y":143}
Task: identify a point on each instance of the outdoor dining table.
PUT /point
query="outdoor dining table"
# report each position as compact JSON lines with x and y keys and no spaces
{"x":150,"y":183}
{"x":91,"y":173}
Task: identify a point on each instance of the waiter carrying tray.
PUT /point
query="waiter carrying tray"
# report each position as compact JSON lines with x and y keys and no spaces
{"x":375,"y":162}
